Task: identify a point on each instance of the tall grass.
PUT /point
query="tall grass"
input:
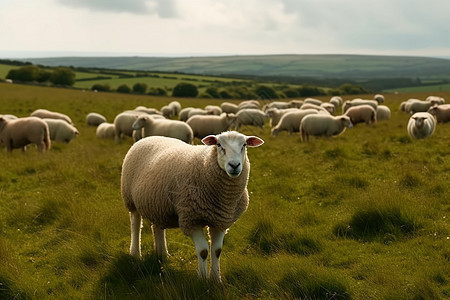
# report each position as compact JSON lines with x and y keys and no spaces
{"x":361,"y":216}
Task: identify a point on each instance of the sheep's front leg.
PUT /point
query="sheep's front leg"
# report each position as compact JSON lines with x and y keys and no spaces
{"x":159,"y":235}
{"x":216,"y":248}
{"x":136,"y":225}
{"x":201,"y":247}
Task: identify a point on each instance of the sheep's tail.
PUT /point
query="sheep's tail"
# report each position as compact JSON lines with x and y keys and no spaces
{"x":47,"y":141}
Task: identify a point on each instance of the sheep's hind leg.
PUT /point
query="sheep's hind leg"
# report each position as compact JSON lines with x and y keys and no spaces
{"x":159,"y":235}
{"x":216,"y":248}
{"x":136,"y":225}
{"x":201,"y":247}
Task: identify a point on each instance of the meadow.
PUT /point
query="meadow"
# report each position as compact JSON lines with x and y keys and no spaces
{"x":361,"y":216}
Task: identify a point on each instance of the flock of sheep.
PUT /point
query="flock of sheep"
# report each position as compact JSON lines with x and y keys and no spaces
{"x":173,"y":183}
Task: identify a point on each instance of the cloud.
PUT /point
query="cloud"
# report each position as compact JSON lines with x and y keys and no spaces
{"x":163,"y":8}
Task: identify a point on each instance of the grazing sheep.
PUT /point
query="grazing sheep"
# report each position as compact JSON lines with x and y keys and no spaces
{"x":61,"y":131}
{"x":105,"y":131}
{"x":173,"y":184}
{"x":94,"y":119}
{"x":356,"y":102}
{"x":296,"y":103}
{"x":362,"y":114}
{"x":9,"y":117}
{"x":196,"y":112}
{"x":383,"y":113}
{"x":336,"y":101}
{"x":206,"y":125}
{"x":415,"y":105}
{"x":313,"y":101}
{"x":275,"y":114}
{"x":44,"y":113}
{"x":379,"y":98}
{"x":435,"y":100}
{"x":184,"y":113}
{"x":20,"y":132}
{"x":329,"y":107}
{"x":277,"y":104}
{"x":123,"y":124}
{"x":163,"y":127}
{"x":252,"y":117}
{"x":421,"y":125}
{"x":249,"y":104}
{"x":213,"y":110}
{"x":291,"y":120}
{"x":441,"y":112}
{"x":143,"y":109}
{"x":176,"y":107}
{"x":229,"y":108}
{"x":323,"y":124}
{"x":316,"y":107}
{"x":166,"y":111}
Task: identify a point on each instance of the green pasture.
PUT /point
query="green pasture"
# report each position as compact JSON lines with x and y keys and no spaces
{"x":361,"y":216}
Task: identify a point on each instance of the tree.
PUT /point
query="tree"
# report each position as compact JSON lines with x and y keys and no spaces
{"x":63,"y":76}
{"x":184,"y":89}
{"x":124,"y":89}
{"x":26,"y":73}
{"x":101,"y":87}
{"x":139,"y":88}
{"x":266,"y":92}
{"x":213,"y":92}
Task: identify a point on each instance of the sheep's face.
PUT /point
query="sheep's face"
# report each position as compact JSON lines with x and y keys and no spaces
{"x":420,"y":121}
{"x":139,"y":123}
{"x":232,"y":150}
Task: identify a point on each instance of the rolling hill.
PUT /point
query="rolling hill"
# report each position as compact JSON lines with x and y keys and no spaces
{"x":356,"y":67}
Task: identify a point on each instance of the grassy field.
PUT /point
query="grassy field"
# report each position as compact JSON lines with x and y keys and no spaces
{"x":361,"y":216}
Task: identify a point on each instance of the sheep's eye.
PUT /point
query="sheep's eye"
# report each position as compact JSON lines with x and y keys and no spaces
{"x":219,"y":145}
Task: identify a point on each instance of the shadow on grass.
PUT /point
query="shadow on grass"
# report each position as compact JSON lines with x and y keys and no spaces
{"x":150,"y":278}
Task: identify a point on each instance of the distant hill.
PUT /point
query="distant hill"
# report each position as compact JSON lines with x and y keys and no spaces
{"x":357,"y":67}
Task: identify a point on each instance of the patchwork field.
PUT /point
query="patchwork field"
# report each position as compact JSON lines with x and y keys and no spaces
{"x":361,"y":216}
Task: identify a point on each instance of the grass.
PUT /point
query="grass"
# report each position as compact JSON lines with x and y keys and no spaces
{"x":361,"y":216}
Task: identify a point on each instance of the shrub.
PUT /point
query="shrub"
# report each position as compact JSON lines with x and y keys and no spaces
{"x":266,"y":92}
{"x":139,"y":88}
{"x":184,"y":89}
{"x":63,"y":76}
{"x":101,"y":87}
{"x":124,"y":89}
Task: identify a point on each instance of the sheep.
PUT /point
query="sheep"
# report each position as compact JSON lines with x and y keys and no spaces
{"x":20,"y":132}
{"x":362,"y":114}
{"x":379,"y":98}
{"x":60,"y":131}
{"x":196,"y":112}
{"x":277,"y":104}
{"x":150,"y":111}
{"x":252,"y":117}
{"x":275,"y":114}
{"x":295,"y":103}
{"x":44,"y":113}
{"x":313,"y":101}
{"x":436,"y":100}
{"x":329,"y":107}
{"x":94,"y":119}
{"x":421,"y":125}
{"x":9,"y":117}
{"x":415,"y":105}
{"x":166,"y":111}
{"x":206,"y":125}
{"x":383,"y":113}
{"x":229,"y":108}
{"x":355,"y":102}
{"x":162,"y":127}
{"x":323,"y":124}
{"x":176,"y":107}
{"x":123,"y":124}
{"x":105,"y":131}
{"x":213,"y":110}
{"x":184,"y":113}
{"x":316,"y":107}
{"x":291,"y":120}
{"x":441,"y":112}
{"x":249,"y":104}
{"x":176,"y":185}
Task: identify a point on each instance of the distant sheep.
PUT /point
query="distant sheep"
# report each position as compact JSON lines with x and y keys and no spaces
{"x":163,"y":127}
{"x":173,"y":184}
{"x":362,"y":114}
{"x":123,"y":125}
{"x":329,"y":107}
{"x":441,"y":112}
{"x":196,"y":112}
{"x":323,"y":125}
{"x":250,"y":117}
{"x":176,"y":107}
{"x":355,"y":102}
{"x":314,"y":106}
{"x":421,"y":125}
{"x":213,"y":110}
{"x":277,"y":104}
{"x":18,"y":133}
{"x":184,"y":113}
{"x":435,"y":100}
{"x":291,"y":120}
{"x":337,"y":102}
{"x":150,"y":111}
{"x":379,"y":98}
{"x":313,"y":101}
{"x":105,"y":131}
{"x":415,"y":105}
{"x":275,"y":114}
{"x":229,"y":108}
{"x":61,"y":131}
{"x":383,"y":113}
{"x":44,"y":113}
{"x":206,"y":125}
{"x":167,"y":112}
{"x":248,"y":104}
{"x":94,"y":119}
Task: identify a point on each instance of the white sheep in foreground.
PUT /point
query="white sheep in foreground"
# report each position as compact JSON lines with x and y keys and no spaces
{"x":95,"y":119}
{"x":323,"y":124}
{"x":123,"y":124}
{"x":291,"y":120}
{"x":421,"y":125}
{"x":44,"y":113}
{"x":250,"y":117}
{"x":383,"y":113}
{"x":173,"y":184}
{"x":105,"y":131}
{"x":20,"y":132}
{"x":362,"y":114}
{"x":206,"y":125}
{"x":61,"y":131}
{"x":441,"y":112}
{"x":162,"y":127}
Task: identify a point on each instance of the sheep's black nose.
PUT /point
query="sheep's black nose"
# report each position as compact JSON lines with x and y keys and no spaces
{"x":234,"y":165}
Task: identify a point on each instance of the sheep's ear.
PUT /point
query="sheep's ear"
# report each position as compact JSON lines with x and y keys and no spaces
{"x":254,"y":141}
{"x":210,"y":140}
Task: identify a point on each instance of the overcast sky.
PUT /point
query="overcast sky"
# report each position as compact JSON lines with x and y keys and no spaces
{"x":36,"y":28}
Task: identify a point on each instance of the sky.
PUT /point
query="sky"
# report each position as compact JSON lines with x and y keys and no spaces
{"x":46,"y":28}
